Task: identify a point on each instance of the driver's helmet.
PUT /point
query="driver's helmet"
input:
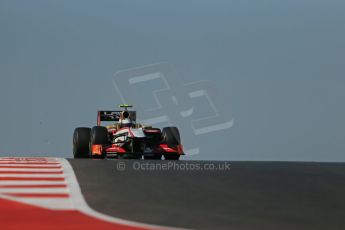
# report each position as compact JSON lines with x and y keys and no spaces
{"x":126,"y":122}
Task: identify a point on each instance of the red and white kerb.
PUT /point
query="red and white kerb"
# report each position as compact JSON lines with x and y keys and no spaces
{"x":43,"y":193}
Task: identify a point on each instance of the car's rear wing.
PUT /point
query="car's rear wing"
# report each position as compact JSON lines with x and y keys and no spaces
{"x":113,"y":116}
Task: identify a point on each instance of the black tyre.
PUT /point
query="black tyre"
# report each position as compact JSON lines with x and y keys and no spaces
{"x":99,"y":136}
{"x":171,"y":136}
{"x":81,"y":139}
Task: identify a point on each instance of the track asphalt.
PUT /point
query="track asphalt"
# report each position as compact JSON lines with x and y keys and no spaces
{"x":240,"y":195}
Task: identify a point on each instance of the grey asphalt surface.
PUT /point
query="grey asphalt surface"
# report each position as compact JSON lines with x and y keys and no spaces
{"x":249,"y":195}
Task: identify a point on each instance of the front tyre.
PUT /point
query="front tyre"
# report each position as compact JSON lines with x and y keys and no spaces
{"x":171,"y":137}
{"x":81,"y":139}
{"x":99,"y":136}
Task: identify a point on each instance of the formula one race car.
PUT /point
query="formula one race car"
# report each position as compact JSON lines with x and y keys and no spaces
{"x":125,"y":138}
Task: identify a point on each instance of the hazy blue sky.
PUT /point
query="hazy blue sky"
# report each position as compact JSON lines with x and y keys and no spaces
{"x":278,"y":66}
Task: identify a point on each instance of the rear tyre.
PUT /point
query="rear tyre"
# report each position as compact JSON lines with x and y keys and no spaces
{"x":99,"y":136}
{"x":81,"y":139}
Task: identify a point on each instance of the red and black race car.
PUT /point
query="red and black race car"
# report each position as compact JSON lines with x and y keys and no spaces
{"x":125,"y":138}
